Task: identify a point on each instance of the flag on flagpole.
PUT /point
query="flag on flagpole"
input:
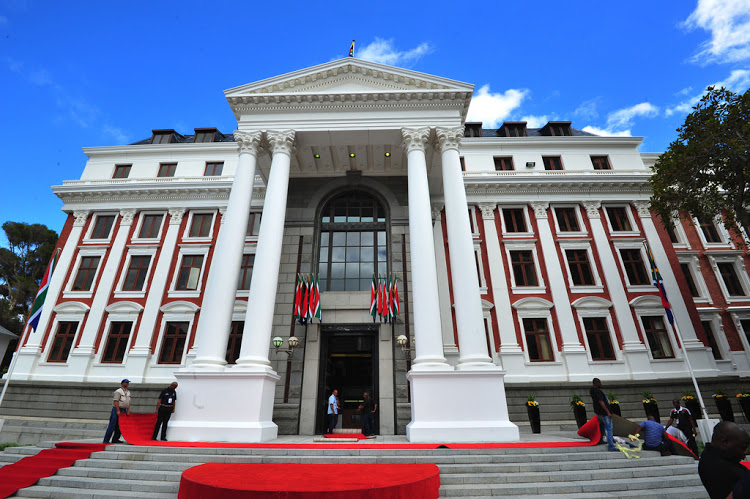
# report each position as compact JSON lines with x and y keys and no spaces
{"x":396,"y":306}
{"x":317,"y":312}
{"x":351,"y":50}
{"x":381,"y":298}
{"x":390,"y":298}
{"x":659,"y":283}
{"x":373,"y":298}
{"x":305,"y":300}
{"x":41,"y":295}
{"x":297,"y":305}
{"x":310,"y":297}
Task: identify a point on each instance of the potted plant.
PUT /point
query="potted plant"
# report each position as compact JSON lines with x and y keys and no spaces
{"x":724,"y":405}
{"x":744,"y":399}
{"x":650,"y":405}
{"x":532,"y":407}
{"x":579,"y":409}
{"x":691,"y":403}
{"x":614,"y":404}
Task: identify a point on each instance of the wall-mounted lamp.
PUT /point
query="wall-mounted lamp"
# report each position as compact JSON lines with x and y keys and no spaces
{"x":402,"y":341}
{"x":293,"y":342}
{"x":530,"y":164}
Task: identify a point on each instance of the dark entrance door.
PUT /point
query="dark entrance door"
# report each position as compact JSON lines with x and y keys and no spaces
{"x":348,"y":363}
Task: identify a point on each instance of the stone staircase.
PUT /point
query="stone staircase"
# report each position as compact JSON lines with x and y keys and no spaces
{"x":154,"y":472}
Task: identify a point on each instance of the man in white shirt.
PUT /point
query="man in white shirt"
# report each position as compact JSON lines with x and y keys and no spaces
{"x":333,"y":410}
{"x":120,"y":405}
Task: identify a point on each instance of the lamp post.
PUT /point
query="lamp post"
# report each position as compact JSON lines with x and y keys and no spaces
{"x":293,"y":342}
{"x":402,"y":341}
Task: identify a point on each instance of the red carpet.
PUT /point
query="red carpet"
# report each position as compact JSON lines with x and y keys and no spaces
{"x":137,"y":429}
{"x":310,"y":481}
{"x":29,"y":470}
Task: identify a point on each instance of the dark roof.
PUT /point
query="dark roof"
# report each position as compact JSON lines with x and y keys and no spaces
{"x":187,"y":139}
{"x":536,"y":132}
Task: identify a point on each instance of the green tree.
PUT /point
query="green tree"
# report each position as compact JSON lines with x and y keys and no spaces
{"x":22,"y":266}
{"x":705,"y":172}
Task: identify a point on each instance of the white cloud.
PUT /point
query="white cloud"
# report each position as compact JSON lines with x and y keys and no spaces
{"x":491,"y":109}
{"x":624,"y":117}
{"x":116,"y":133}
{"x":384,"y":52}
{"x":605,"y":132}
{"x":537,"y":121}
{"x":728,"y":22}
{"x":684,"y":91}
{"x":587,"y":110}
{"x":737,"y":81}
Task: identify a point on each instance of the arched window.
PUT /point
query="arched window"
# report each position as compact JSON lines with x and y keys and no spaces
{"x":353,"y":242}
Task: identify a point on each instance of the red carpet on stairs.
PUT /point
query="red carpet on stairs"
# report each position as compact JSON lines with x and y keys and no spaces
{"x":29,"y":470}
{"x":310,"y":481}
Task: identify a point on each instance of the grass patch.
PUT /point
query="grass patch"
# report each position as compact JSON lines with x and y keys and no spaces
{"x":5,"y":445}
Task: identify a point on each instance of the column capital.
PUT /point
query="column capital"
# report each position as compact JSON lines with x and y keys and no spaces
{"x":81,"y":217}
{"x":223,"y":213}
{"x":248,"y":142}
{"x":488,"y":210}
{"x":592,"y":208}
{"x":449,"y":138}
{"x":281,"y":141}
{"x":643,"y":208}
{"x":175,"y":216}
{"x":540,"y":209}
{"x":127,"y":217}
{"x":415,"y":138}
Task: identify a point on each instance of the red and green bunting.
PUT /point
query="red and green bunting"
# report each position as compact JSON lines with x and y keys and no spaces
{"x":384,"y":301}
{"x":307,"y":299}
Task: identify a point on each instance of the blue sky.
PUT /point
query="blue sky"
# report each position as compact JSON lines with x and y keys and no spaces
{"x":77,"y":74}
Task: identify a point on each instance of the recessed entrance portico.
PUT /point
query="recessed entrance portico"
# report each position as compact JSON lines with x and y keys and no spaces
{"x":341,"y":117}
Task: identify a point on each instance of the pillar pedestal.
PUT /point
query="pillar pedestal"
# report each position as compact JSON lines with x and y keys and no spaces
{"x":224,"y":407}
{"x":459,"y":406}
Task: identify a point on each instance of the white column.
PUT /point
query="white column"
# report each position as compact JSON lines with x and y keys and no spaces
{"x":82,"y":355}
{"x":256,"y":340}
{"x":28,"y":354}
{"x":140,"y":352}
{"x":426,"y":301}
{"x":633,"y":349}
{"x":467,"y":299}
{"x":450,"y":350}
{"x":215,"y":320}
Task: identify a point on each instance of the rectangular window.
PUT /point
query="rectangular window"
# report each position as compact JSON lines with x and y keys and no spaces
{"x":136,"y":275}
{"x":201,"y":225}
{"x":161,"y":138}
{"x":66,"y":332}
{"x":102,"y":226}
{"x":657,"y":337}
{"x":600,"y":342}
{"x":580,"y":268}
{"x":503,"y":163}
{"x":167,"y":170}
{"x":86,"y":272}
{"x":207,"y":135}
{"x":567,"y":219}
{"x":190,"y":271}
{"x":634,"y":267}
{"x":117,"y":342}
{"x":600,"y":163}
{"x":524,"y":271}
{"x":246,"y":271}
{"x":514,"y":220}
{"x":121,"y":171}
{"x":538,"y":340}
{"x":150,"y":226}
{"x":689,"y":279}
{"x":213,"y":169}
{"x":710,"y":232}
{"x":618,"y":219}
{"x":709,"y":330}
{"x":174,"y":343}
{"x":745,"y":323}
{"x":253,"y":225}
{"x":235,"y":341}
{"x":731,"y":281}
{"x":552,"y":162}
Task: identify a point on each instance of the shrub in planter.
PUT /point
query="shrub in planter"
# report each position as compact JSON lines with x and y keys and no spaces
{"x":692,"y":404}
{"x":579,"y":409}
{"x":744,"y":399}
{"x":724,"y":405}
{"x":532,"y":408}
{"x":614,"y":404}
{"x":650,"y":405}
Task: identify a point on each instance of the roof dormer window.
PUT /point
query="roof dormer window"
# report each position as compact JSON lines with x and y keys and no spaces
{"x":513,"y":129}
{"x":205,"y":135}
{"x":557,"y":129}
{"x":473,"y":129}
{"x":162,"y":136}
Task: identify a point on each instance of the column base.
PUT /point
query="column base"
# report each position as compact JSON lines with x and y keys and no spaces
{"x":28,"y":359}
{"x":459,"y":406}
{"x":224,"y":407}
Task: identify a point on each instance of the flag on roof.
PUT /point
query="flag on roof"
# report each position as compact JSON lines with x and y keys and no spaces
{"x":659,"y":283}
{"x":351,"y":50}
{"x":41,"y":295}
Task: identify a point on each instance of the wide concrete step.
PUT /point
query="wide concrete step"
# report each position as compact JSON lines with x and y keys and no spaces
{"x":114,"y":485}
{"x":694,"y":492}
{"x":76,"y":493}
{"x":124,"y":474}
{"x":564,"y":465}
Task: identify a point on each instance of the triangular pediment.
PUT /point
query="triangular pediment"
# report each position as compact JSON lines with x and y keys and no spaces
{"x":349,"y":76}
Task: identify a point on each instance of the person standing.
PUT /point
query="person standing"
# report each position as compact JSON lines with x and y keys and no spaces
{"x":164,"y":410}
{"x":120,"y":405}
{"x":719,"y":467}
{"x":368,"y":408}
{"x":333,"y":410}
{"x":601,"y":409}
{"x":685,"y":423}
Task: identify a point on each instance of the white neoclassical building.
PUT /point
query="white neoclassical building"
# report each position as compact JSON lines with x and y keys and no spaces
{"x":519,"y":254}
